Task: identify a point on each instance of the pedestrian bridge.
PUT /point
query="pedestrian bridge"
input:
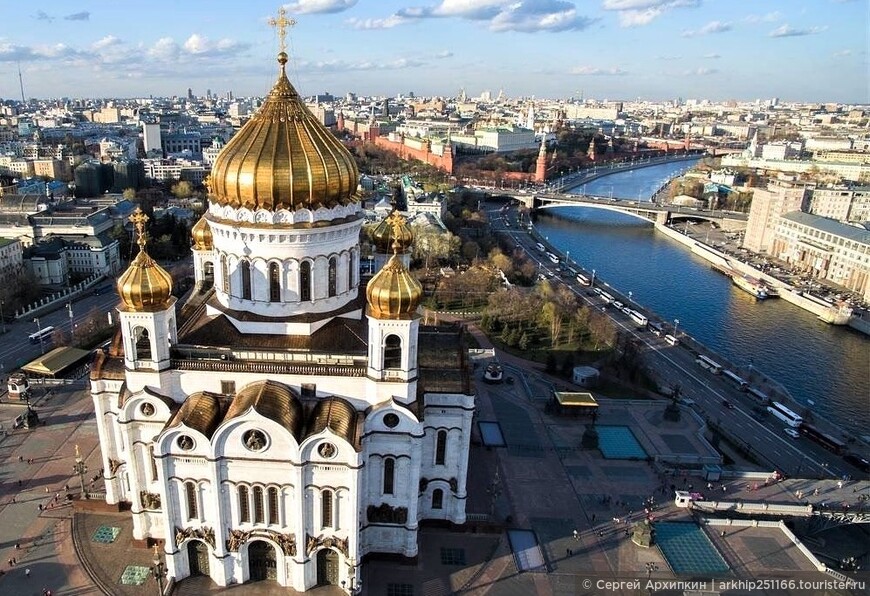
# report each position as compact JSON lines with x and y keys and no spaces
{"x":660,"y":214}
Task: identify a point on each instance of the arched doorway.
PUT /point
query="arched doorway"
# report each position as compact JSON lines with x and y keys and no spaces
{"x":262,"y":563}
{"x":197,"y":556}
{"x":327,"y":567}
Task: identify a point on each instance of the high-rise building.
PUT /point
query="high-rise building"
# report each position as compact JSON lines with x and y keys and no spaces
{"x":780,"y":197}
{"x":152,"y":141}
{"x":290,"y":419}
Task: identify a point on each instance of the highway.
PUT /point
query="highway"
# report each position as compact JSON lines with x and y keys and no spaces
{"x":746,"y":421}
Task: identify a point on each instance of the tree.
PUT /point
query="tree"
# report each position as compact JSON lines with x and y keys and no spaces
{"x":129,"y":194}
{"x":182,"y":189}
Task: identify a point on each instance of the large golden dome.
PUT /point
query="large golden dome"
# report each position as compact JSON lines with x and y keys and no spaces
{"x":284,"y":158}
{"x":385,"y":233}
{"x":145,"y":286}
{"x":201,"y":235}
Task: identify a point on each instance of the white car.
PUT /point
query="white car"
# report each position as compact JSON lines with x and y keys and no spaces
{"x":791,"y":432}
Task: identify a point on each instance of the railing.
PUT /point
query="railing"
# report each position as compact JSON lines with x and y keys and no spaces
{"x":270,"y":368}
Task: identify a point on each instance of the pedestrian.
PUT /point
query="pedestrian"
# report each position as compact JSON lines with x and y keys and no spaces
{"x":19,"y":483}
{"x":46,"y":489}
{"x":722,"y":534}
{"x":568,"y":552}
{"x":593,"y":517}
{"x":576,"y":535}
{"x":17,"y":545}
{"x":14,"y":561}
{"x":20,"y":458}
{"x":13,"y":499}
{"x":27,"y":573}
{"x":10,"y":562}
{"x":40,"y":507}
{"x":600,"y":533}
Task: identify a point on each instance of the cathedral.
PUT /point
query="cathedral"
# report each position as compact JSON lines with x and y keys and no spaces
{"x":289,"y":419}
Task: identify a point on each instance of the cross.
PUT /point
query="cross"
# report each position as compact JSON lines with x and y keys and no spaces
{"x":281,"y":24}
{"x":138,"y":218}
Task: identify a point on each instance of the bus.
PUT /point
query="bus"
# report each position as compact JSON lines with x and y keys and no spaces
{"x":41,"y":335}
{"x":608,"y":298}
{"x":708,"y":364}
{"x":671,"y":339}
{"x":784,"y":414}
{"x":553,"y":258}
{"x":540,"y":247}
{"x":742,"y":385}
{"x":825,"y":440}
{"x":582,"y":279}
{"x":656,"y":329}
{"x":758,"y":394}
{"x":639,"y":319}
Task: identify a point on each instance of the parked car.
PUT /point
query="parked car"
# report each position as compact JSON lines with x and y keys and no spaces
{"x":794,"y":434}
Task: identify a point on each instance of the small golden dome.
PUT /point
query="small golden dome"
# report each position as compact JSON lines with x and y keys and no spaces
{"x":385,"y":233}
{"x":393,"y":293}
{"x":201,"y":234}
{"x":284,"y":158}
{"x":145,"y":286}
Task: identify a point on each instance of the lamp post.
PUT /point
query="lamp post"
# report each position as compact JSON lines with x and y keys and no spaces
{"x":159,"y":570}
{"x":592,"y":283}
{"x":676,"y":324}
{"x":2,"y":320}
{"x":629,"y":297}
{"x":71,"y":330}
{"x":81,"y":468}
{"x":39,"y":332}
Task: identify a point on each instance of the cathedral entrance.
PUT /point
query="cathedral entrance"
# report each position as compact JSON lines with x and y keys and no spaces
{"x":197,"y":556}
{"x":327,"y":567}
{"x":262,"y":562}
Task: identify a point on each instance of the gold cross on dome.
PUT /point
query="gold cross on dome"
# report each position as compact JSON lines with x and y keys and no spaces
{"x":281,"y":24}
{"x":138,"y":218}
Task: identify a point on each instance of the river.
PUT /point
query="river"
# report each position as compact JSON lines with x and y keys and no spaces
{"x":816,"y":362}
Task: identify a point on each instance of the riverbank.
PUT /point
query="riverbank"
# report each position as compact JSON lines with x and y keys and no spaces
{"x":824,"y":311}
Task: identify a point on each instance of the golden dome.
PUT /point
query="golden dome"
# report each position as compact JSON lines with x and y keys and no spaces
{"x":201,"y":234}
{"x":145,"y":286}
{"x":284,"y":158}
{"x":385,"y":233}
{"x":393,"y":293}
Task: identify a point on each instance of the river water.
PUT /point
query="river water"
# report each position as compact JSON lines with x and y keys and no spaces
{"x":819,"y":363}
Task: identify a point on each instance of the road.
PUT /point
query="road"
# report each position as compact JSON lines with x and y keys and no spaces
{"x":745,"y":420}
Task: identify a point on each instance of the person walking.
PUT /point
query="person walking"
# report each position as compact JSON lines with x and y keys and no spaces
{"x":27,"y":573}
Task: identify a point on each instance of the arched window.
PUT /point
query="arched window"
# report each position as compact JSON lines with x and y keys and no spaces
{"x":244,"y":505}
{"x":225,"y":275}
{"x":437,"y":498}
{"x":331,"y":280}
{"x":258,"y":504}
{"x":304,"y":281}
{"x":440,"y":447}
{"x":245,"y":268}
{"x":190,"y":494}
{"x":326,"y":509}
{"x":143,"y":345}
{"x":389,"y":475}
{"x":273,"y":505}
{"x":350,"y":266}
{"x":153,"y":462}
{"x":274,"y":283}
{"x":208,"y":273}
{"x":393,"y":352}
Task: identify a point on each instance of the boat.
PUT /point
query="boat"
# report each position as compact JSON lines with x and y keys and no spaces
{"x":751,"y":285}
{"x":833,"y":313}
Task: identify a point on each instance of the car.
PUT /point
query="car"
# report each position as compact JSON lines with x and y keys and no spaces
{"x":19,"y":421}
{"x":791,"y":432}
{"x":857,"y":461}
{"x":727,"y":404}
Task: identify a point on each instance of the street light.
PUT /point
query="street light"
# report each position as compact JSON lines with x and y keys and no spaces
{"x":158,"y":571}
{"x":81,"y":468}
{"x":629,"y":296}
{"x":2,"y":320}
{"x":39,"y":333}
{"x":71,"y":331}
{"x":592,"y":283}
{"x":676,"y":324}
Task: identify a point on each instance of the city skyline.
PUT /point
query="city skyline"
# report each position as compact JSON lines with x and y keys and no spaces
{"x":602,"y":49}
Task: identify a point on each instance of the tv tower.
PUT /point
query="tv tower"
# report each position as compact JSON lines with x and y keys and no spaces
{"x":21,"y":83}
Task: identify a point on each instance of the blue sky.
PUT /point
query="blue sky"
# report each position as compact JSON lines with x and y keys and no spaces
{"x":801,"y":50}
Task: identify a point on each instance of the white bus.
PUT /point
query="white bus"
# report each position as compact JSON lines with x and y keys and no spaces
{"x":540,"y":247}
{"x":758,"y":394}
{"x":671,"y":339}
{"x":736,"y":379}
{"x":553,"y":258}
{"x":784,"y":414}
{"x":41,"y":335}
{"x":639,"y":319}
{"x":582,"y":279}
{"x":708,"y":364}
{"x":608,"y":298}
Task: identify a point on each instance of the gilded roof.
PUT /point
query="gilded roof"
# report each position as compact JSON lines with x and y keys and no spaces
{"x":201,"y":411}
{"x":393,"y":293}
{"x":273,"y":400}
{"x":388,"y":231}
{"x":145,"y":286}
{"x":284,"y":158}
{"x":337,"y":415}
{"x":201,"y":235}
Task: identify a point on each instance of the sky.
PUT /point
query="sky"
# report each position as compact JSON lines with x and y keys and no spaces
{"x":796,"y":50}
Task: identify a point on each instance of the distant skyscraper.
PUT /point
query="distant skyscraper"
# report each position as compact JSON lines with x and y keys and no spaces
{"x":151,"y":140}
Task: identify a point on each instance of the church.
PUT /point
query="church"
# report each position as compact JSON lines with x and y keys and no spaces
{"x":289,"y":419}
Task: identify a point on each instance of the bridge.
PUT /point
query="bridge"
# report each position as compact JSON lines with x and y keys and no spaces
{"x":647,"y":211}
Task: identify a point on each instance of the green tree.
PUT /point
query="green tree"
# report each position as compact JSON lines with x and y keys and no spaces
{"x":182,"y":190}
{"x":129,"y":194}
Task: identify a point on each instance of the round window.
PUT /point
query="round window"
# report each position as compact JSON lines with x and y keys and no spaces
{"x":255,"y":440}
{"x":147,"y":409}
{"x":185,"y":443}
{"x":391,"y":420}
{"x":326,"y":450}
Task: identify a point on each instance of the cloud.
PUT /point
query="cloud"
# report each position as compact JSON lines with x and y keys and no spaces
{"x":42,"y":16}
{"x":502,"y":15}
{"x":770,"y":17}
{"x":674,"y":57}
{"x":344,"y":65}
{"x":369,"y":24}
{"x":198,"y":45}
{"x":636,"y":13}
{"x":14,"y":53}
{"x":444,"y":54}
{"x":78,"y":16}
{"x":595,"y":71}
{"x":165,"y":49}
{"x":700,"y":72}
{"x":319,"y":6}
{"x":842,"y":53}
{"x":713,"y":56}
{"x":786,"y":30}
{"x":711,"y":27}
{"x":107,"y":41}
